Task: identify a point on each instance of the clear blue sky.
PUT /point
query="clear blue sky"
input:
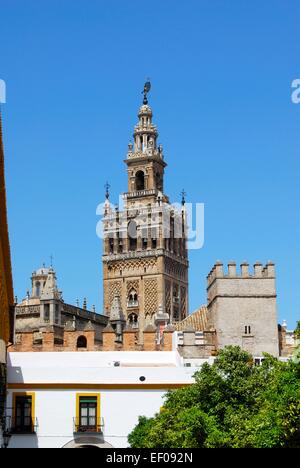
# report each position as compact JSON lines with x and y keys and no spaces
{"x":221,"y":75}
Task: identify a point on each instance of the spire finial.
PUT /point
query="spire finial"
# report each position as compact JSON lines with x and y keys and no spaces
{"x":51,"y":261}
{"x":147,"y":87}
{"x":183,"y":195}
{"x":107,"y":187}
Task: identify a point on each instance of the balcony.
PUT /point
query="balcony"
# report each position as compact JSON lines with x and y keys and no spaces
{"x":140,"y":193}
{"x":22,"y":428}
{"x":93,"y":426}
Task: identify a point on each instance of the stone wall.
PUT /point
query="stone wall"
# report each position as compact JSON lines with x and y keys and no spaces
{"x":51,"y":341}
{"x":131,"y":341}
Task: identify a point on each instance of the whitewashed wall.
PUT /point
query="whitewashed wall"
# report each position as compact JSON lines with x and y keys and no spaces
{"x":120,"y":408}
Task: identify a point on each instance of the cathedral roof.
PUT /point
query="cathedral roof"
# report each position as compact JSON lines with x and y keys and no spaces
{"x":196,"y":321}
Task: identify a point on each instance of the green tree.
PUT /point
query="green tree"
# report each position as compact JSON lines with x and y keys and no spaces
{"x":297,"y":331}
{"x":231,"y":404}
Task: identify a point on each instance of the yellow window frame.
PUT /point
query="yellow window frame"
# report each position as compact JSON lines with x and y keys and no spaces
{"x":94,"y":395}
{"x":22,"y":394}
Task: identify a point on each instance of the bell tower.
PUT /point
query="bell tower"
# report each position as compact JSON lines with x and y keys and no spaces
{"x":145,"y":260}
{"x":145,"y":158}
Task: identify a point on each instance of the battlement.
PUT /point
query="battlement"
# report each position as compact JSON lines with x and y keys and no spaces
{"x":259,"y":271}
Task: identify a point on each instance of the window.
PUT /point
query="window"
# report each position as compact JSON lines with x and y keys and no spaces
{"x":46,"y":312}
{"x":175,"y":314}
{"x":37,"y":289}
{"x":133,"y":299}
{"x":23,"y":420}
{"x":132,"y":235}
{"x":139,"y":180}
{"x":88,"y":413}
{"x":159,"y":184}
{"x":56,"y":313}
{"x":120,"y":247}
{"x":133,"y":320}
{"x":176,"y":298}
{"x":132,"y":244}
{"x":81,"y":342}
{"x":247,"y":330}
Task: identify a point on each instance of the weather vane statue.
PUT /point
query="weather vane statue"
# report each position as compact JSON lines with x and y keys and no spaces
{"x":147,"y":87}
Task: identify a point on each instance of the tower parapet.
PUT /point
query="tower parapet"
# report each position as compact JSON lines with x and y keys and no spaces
{"x":259,"y":271}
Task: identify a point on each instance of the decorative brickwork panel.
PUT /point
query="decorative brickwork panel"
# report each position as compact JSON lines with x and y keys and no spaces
{"x":132,"y":285}
{"x":115,"y":288}
{"x":168,"y":297}
{"x":128,"y":266}
{"x":151,"y":296}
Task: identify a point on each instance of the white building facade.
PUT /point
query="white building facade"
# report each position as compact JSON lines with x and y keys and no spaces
{"x":79,"y":400}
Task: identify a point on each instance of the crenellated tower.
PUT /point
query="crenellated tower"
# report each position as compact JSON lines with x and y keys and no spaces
{"x":145,"y":260}
{"x":242,"y":307}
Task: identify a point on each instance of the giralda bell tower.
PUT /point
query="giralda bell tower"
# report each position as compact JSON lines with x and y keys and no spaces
{"x":145,"y":260}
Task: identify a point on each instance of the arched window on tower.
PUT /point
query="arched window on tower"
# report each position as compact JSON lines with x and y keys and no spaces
{"x":133,"y":299}
{"x":132,"y":235}
{"x":159,"y":181}
{"x":82,"y":342}
{"x":133,"y":321}
{"x":37,"y":289}
{"x":140,"y":180}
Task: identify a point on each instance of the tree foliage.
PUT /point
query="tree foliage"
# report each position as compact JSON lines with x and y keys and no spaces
{"x":232,"y":404}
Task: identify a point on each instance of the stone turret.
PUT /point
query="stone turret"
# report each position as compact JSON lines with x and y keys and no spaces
{"x":51,"y":301}
{"x":38,"y":281}
{"x":117,"y":319}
